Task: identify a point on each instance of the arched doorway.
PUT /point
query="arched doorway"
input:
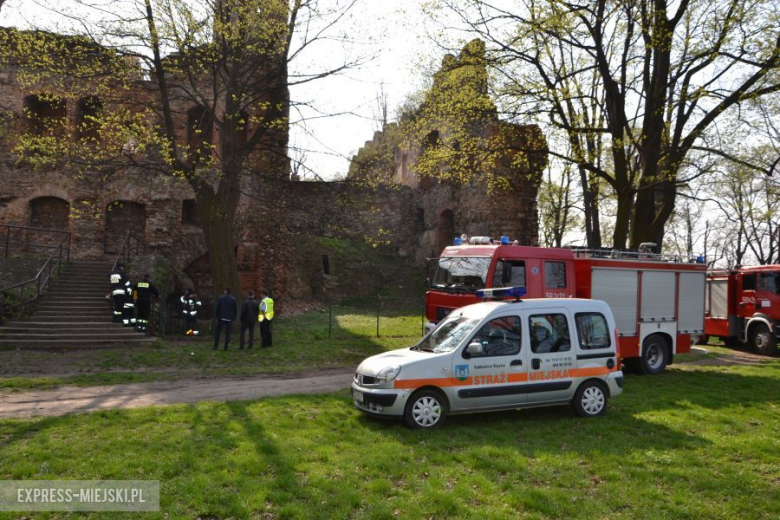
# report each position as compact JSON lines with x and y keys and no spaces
{"x":50,"y":213}
{"x":445,"y":231}
{"x":123,"y":217}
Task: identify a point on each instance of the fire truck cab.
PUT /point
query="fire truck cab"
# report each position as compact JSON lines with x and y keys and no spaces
{"x":657,"y":301}
{"x":743,"y":307}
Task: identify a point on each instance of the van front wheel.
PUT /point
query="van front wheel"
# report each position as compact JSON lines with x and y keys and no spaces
{"x":425,"y":410}
{"x":590,"y":399}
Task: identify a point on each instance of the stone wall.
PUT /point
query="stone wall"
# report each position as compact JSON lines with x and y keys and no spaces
{"x":369,"y":234}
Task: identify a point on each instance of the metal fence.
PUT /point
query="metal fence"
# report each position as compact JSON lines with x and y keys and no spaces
{"x":395,"y":317}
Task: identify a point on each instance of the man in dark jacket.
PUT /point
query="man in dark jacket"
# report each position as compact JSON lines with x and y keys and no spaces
{"x":249,"y":311}
{"x":144,"y":292}
{"x":225,"y":312}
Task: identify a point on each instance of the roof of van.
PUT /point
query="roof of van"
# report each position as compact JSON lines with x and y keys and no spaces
{"x":483,"y":308}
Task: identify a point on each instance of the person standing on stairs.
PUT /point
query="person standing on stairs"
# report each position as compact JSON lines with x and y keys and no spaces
{"x":144,"y":292}
{"x":128,"y":309}
{"x":119,"y":287}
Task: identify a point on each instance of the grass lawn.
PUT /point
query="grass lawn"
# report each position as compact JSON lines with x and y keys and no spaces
{"x":301,"y":344}
{"x":694,"y":442}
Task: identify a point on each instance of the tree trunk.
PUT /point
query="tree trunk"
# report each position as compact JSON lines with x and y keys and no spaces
{"x":625,"y":205}
{"x":217,"y":212}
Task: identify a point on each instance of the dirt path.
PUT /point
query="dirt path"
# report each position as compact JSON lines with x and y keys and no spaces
{"x":89,"y":399}
{"x":736,"y":357}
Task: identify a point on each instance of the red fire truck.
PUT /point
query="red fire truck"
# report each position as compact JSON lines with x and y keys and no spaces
{"x":743,"y":307}
{"x":658,"y":303}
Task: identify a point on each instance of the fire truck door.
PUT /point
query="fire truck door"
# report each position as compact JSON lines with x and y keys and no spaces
{"x":746,"y":297}
{"x":551,"y":357}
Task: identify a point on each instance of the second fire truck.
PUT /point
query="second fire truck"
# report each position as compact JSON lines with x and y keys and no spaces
{"x":743,"y":307}
{"x":658,"y":303}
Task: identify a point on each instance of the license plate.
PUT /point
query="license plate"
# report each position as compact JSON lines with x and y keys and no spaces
{"x":358,"y":396}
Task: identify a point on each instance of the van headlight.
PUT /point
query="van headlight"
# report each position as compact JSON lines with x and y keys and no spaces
{"x":388,"y":373}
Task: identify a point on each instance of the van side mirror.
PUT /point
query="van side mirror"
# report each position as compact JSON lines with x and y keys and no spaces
{"x":474,"y":348}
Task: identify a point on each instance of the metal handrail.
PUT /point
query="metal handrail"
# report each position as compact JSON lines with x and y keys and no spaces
{"x":8,"y":243}
{"x":133,"y":246}
{"x":41,"y":280}
{"x":130,"y":248}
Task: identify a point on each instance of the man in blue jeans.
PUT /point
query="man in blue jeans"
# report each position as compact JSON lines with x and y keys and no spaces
{"x":225,"y":312}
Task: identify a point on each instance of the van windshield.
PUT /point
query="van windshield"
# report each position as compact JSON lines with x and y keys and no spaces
{"x":448,"y":335}
{"x":461,"y":274}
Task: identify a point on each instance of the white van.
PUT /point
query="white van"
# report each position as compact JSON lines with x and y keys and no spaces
{"x":496,"y":356}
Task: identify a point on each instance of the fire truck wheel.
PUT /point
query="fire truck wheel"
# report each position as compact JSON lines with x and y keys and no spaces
{"x":762,"y":340}
{"x":655,"y":355}
{"x":425,"y":410}
{"x":590,"y":399}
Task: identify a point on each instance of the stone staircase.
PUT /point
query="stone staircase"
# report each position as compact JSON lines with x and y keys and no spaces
{"x":73,"y":313}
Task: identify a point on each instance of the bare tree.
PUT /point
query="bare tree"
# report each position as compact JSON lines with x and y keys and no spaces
{"x":664,"y":75}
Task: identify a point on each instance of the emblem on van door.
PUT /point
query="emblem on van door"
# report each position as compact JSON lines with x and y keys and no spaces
{"x":462,"y":372}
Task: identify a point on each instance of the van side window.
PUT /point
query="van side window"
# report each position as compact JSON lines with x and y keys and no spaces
{"x":555,"y":275}
{"x":592,"y":330}
{"x":509,"y":273}
{"x":549,"y":333}
{"x":499,"y":337}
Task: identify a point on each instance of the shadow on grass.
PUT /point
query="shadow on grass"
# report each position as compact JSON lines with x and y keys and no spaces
{"x":628,"y":426}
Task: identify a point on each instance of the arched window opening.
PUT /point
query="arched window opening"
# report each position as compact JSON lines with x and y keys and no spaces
{"x":50,"y":213}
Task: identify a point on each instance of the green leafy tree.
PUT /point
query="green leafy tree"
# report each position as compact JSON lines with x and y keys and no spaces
{"x":197,"y":90}
{"x":650,"y":77}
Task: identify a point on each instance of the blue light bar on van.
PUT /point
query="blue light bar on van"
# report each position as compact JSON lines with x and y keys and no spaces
{"x":458,"y":241}
{"x":503,"y":292}
{"x":504,"y":240}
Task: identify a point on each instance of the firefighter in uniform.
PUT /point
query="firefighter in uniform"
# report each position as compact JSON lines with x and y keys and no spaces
{"x":119,"y":287}
{"x":190,"y":306}
{"x":128,"y":309}
{"x":265,"y":318}
{"x":144,"y":292}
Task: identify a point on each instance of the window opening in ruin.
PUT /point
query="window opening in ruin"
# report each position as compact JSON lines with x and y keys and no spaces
{"x":421,"y":219}
{"x":242,"y":131}
{"x":123,"y":217}
{"x":44,"y":115}
{"x":445,"y":232}
{"x":189,"y":212}
{"x":197,"y":129}
{"x":432,"y":139}
{"x":325,"y":264}
{"x":88,"y":119}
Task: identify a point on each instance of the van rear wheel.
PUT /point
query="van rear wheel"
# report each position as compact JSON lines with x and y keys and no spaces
{"x":590,"y":399}
{"x":655,"y":355}
{"x":425,"y":410}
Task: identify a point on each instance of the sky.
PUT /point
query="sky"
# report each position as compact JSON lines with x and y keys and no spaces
{"x":392,"y":33}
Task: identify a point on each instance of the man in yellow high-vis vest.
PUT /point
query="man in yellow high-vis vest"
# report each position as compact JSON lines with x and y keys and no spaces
{"x":265,"y":317}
